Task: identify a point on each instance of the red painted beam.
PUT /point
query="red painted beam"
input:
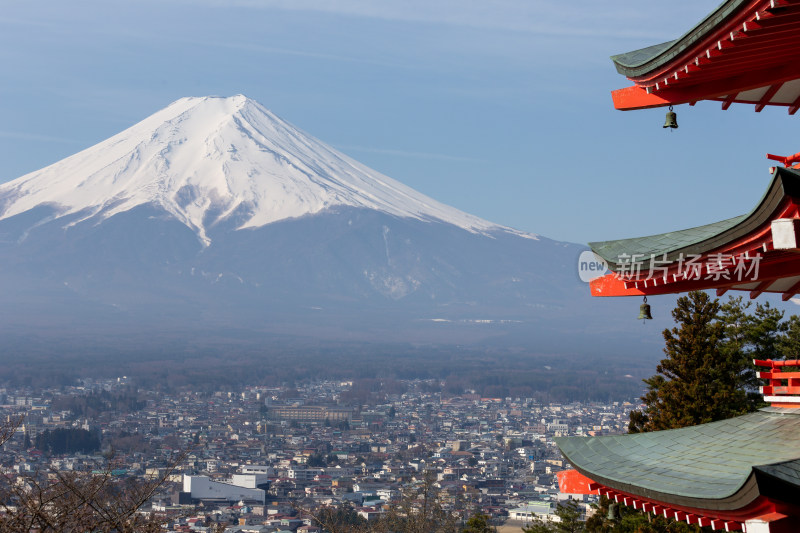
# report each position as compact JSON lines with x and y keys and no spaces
{"x":760,"y":507}
{"x":794,"y":289}
{"x":776,"y":363}
{"x":777,"y":375}
{"x":758,"y":291}
{"x":737,"y":61}
{"x":740,"y":61}
{"x":769,"y":29}
{"x":786,"y":161}
{"x":773,"y":390}
{"x":768,"y":96}
{"x":636,"y":97}
{"x":573,"y":482}
{"x":774,"y":27}
{"x":733,"y":69}
{"x":703,"y":521}
{"x":794,"y":106}
{"x":771,"y":268}
{"x":784,"y":9}
{"x":780,"y":45}
{"x":727,"y":102}
{"x":772,"y":517}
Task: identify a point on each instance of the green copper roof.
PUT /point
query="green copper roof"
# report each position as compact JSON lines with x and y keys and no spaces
{"x":644,"y":247}
{"x":785,"y":182}
{"x":645,"y":60}
{"x":629,"y":60}
{"x":711,"y":466}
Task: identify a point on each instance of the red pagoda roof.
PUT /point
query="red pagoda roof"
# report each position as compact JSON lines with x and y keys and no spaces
{"x":725,"y":474}
{"x":757,"y":252}
{"x":746,"y":51}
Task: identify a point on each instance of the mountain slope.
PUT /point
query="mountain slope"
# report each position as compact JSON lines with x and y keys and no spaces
{"x":208,"y":160}
{"x":214,"y":218}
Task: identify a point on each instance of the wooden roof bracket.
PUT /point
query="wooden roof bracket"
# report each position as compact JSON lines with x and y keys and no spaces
{"x":774,"y":88}
{"x":790,"y":292}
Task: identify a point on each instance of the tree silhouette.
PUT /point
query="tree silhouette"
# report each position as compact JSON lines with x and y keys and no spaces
{"x":707,"y":374}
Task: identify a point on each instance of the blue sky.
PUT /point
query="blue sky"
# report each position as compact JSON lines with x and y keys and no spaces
{"x":500,"y":108}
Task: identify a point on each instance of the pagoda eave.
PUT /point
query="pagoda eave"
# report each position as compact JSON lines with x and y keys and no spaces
{"x":747,"y":51}
{"x":757,"y":253}
{"x":762,"y":510}
{"x":738,"y":474}
{"x":635,"y":97}
{"x":765,"y":86}
{"x":780,"y":276}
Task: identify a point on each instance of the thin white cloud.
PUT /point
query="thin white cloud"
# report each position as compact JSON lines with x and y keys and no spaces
{"x":579,"y":18}
{"x":290,"y":52}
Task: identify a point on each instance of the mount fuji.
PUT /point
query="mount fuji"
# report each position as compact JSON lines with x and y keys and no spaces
{"x":215,"y":217}
{"x":209,"y":160}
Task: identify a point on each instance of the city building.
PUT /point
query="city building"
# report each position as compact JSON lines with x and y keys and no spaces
{"x":203,"y":488}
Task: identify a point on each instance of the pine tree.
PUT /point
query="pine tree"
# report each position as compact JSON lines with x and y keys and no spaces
{"x":478,"y":523}
{"x":757,"y":335}
{"x":706,"y":375}
{"x":789,"y":344}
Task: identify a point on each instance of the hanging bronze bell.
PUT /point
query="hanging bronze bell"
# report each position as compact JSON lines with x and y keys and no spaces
{"x":672,"y":119}
{"x":644,"y":311}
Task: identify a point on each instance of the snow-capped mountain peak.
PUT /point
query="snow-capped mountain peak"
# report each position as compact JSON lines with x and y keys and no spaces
{"x":208,"y":159}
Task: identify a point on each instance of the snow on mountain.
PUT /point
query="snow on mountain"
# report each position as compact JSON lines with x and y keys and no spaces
{"x":209,"y":159}
{"x":143,"y":237}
